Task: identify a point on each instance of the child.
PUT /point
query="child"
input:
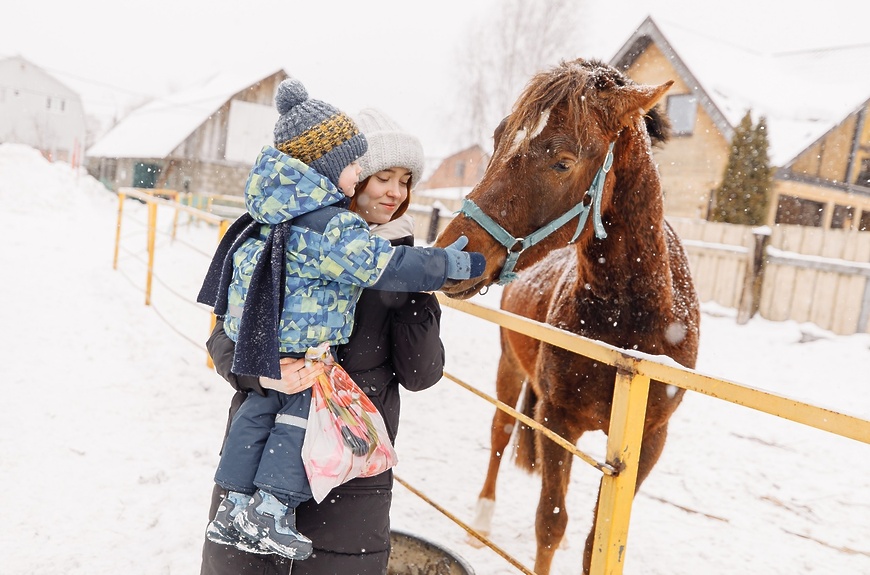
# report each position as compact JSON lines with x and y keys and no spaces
{"x":286,"y":278}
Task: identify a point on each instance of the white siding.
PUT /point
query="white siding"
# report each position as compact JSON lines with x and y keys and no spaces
{"x":250,"y":128}
{"x":39,"y":111}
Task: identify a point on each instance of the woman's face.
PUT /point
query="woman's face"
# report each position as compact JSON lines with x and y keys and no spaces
{"x":382,"y":196}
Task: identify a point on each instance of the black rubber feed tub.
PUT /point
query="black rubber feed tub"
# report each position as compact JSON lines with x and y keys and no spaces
{"x":413,"y":555}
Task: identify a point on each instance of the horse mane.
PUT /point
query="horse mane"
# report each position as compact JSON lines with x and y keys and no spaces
{"x":567,"y":84}
{"x":658,"y":125}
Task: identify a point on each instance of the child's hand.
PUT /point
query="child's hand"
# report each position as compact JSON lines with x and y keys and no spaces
{"x":295,"y":376}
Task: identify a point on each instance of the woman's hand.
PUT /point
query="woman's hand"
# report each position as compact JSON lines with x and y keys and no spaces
{"x":295,"y":377}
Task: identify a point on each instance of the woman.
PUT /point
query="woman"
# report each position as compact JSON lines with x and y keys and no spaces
{"x":396,"y":341}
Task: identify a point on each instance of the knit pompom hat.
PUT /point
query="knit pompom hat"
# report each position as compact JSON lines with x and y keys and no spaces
{"x":315,"y":132}
{"x":389,"y":146}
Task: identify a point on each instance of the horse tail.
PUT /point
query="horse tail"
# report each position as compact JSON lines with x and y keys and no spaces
{"x":526,"y":450}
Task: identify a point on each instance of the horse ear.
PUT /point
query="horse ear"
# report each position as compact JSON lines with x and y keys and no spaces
{"x":636,"y":100}
{"x":499,"y":130}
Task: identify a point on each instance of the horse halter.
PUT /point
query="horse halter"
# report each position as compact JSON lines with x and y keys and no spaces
{"x":516,"y":246}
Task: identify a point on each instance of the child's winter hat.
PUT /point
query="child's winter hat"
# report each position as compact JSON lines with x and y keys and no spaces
{"x":389,"y":146}
{"x":315,"y":132}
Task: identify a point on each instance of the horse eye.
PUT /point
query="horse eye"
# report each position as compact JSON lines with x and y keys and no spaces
{"x":561,"y":166}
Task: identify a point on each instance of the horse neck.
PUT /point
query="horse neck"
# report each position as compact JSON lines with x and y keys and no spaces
{"x":635,"y":246}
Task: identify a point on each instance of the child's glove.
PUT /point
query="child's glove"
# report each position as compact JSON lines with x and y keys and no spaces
{"x":463,"y":265}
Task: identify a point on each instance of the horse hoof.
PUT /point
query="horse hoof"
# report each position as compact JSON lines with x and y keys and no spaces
{"x":475,"y":542}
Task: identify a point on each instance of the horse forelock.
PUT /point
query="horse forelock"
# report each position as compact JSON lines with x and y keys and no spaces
{"x":561,"y":94}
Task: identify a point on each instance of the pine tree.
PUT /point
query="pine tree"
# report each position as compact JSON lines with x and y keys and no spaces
{"x":743,"y":195}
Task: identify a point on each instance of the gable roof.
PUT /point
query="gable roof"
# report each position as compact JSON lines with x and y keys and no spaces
{"x":14,"y":66}
{"x":802,"y":94}
{"x":155,"y":129}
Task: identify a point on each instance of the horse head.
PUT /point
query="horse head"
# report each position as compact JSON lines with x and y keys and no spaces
{"x":550,"y":166}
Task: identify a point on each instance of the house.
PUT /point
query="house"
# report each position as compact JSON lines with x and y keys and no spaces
{"x":200,"y":140}
{"x":454,"y":177}
{"x":815,"y":104}
{"x":38,"y":110}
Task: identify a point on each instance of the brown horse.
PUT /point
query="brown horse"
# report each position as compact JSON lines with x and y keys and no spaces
{"x":623,"y":280}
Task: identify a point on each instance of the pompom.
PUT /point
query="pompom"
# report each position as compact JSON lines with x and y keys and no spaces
{"x":291,"y":93}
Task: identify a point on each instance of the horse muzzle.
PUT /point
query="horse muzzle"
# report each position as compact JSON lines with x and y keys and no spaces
{"x":464,"y":289}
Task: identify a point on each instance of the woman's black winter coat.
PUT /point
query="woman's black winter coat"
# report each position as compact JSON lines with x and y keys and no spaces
{"x":395,"y":341}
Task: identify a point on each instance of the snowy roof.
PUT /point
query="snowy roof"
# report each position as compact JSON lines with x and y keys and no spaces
{"x":157,"y":128}
{"x":802,"y":93}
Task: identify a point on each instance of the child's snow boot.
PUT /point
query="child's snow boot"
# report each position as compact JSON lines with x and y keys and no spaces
{"x":273,"y":525}
{"x":221,"y":529}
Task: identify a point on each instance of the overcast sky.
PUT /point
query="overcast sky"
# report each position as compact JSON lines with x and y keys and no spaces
{"x":396,"y":55}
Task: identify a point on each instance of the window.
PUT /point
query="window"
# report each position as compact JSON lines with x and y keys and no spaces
{"x":145,"y":175}
{"x":799,"y":211}
{"x":842,"y":217}
{"x":460,"y":170}
{"x":863,"y":177}
{"x":56,"y":105}
{"x":682,"y":110}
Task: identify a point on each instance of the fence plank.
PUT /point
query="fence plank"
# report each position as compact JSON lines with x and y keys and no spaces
{"x":825,"y":303}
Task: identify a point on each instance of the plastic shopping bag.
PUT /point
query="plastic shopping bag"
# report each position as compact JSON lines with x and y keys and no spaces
{"x":346,"y":435}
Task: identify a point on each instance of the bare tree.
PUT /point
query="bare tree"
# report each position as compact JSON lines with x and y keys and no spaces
{"x":502,"y":51}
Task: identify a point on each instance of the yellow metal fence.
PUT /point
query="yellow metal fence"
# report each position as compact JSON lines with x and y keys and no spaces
{"x":634,"y":372}
{"x":153,"y":199}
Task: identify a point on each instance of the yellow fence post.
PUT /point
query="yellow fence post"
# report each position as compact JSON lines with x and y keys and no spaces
{"x":175,"y":222}
{"x":152,"y":232}
{"x":118,"y":230}
{"x":222,"y":230}
{"x":617,"y":491}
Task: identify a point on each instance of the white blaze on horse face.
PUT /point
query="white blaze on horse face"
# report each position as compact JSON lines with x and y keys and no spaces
{"x":535,"y":132}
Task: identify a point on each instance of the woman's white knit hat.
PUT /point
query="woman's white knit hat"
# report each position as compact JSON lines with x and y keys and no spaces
{"x":389,"y":146}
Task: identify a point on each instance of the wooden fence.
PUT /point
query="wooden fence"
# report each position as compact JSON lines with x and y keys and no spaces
{"x":799,"y":273}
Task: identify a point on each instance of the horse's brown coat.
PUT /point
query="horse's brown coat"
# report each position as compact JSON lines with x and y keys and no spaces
{"x":632,"y":289}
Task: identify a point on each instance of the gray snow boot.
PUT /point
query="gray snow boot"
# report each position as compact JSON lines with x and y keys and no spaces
{"x":273,"y":526}
{"x":222,"y":530}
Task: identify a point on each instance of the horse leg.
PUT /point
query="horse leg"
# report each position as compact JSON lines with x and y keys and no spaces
{"x":551,"y":518}
{"x":650,"y":450}
{"x":509,"y":384}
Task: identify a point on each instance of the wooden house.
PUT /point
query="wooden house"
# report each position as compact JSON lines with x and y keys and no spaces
{"x":201,"y":140}
{"x":38,"y":110}
{"x":454,"y":177}
{"x":462,"y":169}
{"x":815,"y":103}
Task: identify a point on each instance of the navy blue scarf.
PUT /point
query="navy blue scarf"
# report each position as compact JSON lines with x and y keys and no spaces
{"x":257,"y":346}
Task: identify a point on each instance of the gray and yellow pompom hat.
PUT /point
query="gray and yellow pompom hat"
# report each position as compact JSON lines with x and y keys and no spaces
{"x":315,"y":132}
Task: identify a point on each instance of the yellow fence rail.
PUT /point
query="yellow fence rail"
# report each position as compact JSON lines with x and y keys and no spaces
{"x":154,"y":198}
{"x":634,"y":372}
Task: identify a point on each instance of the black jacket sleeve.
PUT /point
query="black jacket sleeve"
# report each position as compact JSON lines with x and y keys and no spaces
{"x":221,"y":349}
{"x":418,"y":353}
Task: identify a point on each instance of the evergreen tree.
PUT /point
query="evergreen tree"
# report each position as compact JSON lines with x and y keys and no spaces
{"x":743,"y":195}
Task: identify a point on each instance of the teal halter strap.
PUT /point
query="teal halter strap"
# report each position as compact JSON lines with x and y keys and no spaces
{"x":516,"y":246}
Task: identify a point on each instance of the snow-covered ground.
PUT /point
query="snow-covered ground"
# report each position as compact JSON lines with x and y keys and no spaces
{"x":111,"y":419}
